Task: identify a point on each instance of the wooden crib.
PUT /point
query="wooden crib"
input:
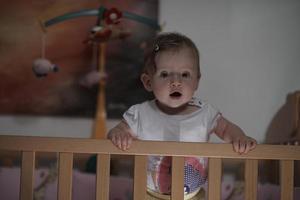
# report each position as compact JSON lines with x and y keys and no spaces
{"x":66,"y":147}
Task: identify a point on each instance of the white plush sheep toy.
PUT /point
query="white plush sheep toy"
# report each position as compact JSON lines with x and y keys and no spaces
{"x":41,"y":67}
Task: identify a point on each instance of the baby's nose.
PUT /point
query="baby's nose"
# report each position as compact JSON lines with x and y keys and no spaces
{"x":175,"y":79}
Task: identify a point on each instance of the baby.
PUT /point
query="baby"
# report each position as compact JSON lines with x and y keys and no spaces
{"x":172,"y":72}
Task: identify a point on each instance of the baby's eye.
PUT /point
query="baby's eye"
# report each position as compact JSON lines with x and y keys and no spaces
{"x":186,"y":75}
{"x":164,"y":74}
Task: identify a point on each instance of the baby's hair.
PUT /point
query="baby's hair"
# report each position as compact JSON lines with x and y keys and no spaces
{"x":171,"y":41}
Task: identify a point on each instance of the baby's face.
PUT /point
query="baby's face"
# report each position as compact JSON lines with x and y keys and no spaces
{"x":176,"y":77}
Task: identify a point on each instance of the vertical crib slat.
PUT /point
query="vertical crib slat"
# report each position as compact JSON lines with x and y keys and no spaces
{"x":177,"y":191}
{"x":287,"y":179}
{"x":65,"y":176}
{"x":251,"y":173}
{"x":103,"y":174}
{"x":140,"y":177}
{"x":214,"y":178}
{"x":27,"y":175}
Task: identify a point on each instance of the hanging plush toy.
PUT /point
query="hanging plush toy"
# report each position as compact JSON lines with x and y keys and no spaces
{"x":41,"y":67}
{"x":92,"y":78}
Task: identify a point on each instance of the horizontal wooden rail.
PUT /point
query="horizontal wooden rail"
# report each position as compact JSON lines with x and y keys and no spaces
{"x":76,"y":145}
{"x":103,"y":148}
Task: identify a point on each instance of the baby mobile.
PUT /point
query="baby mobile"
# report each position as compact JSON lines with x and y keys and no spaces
{"x":108,"y":27}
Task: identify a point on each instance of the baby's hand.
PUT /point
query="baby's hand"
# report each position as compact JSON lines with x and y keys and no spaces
{"x":243,"y":144}
{"x":121,"y":136}
{"x":122,"y":140}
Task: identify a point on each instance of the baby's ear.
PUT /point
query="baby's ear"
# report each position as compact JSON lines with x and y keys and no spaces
{"x":146,"y":80}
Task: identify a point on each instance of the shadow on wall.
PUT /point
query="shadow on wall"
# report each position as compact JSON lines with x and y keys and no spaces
{"x":285,"y":125}
{"x":284,"y":129}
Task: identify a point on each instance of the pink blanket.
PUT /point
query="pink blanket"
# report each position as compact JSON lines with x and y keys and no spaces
{"x":83,"y":185}
{"x":120,"y":187}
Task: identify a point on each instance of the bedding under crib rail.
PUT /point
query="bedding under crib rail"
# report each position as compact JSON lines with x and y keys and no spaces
{"x":66,"y":147}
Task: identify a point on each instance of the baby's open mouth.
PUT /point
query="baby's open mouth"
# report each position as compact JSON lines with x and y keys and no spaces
{"x":175,"y":94}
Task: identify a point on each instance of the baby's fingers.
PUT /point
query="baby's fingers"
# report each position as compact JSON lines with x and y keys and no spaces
{"x":248,"y":146}
{"x":236,"y":146}
{"x":126,"y":142}
{"x":129,"y":141}
{"x":242,"y":147}
{"x":116,"y":140}
{"x":253,"y":144}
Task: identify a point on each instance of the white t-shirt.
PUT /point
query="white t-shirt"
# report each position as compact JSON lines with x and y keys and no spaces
{"x":149,"y":123}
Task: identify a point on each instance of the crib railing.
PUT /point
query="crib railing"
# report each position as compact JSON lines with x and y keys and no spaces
{"x":66,"y":147}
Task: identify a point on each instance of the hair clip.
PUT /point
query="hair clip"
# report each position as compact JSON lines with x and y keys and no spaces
{"x":156,"y":48}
